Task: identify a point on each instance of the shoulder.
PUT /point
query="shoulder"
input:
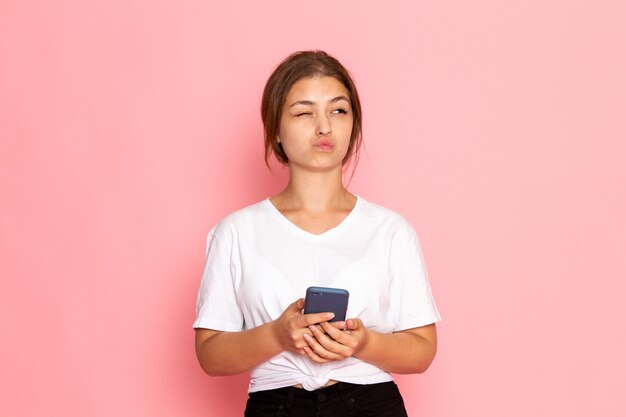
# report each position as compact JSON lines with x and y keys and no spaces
{"x":229,"y":226}
{"x":397,"y":233}
{"x":385,"y":218}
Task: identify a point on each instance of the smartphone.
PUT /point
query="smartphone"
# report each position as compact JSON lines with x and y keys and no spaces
{"x":322,"y":299}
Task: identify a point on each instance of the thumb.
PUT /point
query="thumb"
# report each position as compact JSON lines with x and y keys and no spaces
{"x":353,"y":324}
{"x":297,"y":305}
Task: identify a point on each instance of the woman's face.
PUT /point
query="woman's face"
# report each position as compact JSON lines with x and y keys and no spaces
{"x":316,"y":124}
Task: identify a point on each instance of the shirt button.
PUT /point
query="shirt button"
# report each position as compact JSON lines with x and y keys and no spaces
{"x":321,"y":397}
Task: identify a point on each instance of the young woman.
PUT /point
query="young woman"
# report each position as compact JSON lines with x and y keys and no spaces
{"x":261,"y":259}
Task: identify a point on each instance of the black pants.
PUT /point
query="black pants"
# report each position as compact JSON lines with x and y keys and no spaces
{"x":340,"y":399}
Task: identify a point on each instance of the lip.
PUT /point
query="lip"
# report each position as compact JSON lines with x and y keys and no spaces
{"x":324,"y":144}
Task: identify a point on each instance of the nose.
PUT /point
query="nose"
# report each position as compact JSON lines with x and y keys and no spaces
{"x":323,"y":126}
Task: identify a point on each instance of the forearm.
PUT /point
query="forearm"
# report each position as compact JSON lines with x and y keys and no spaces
{"x":401,"y":352}
{"x":231,"y":353}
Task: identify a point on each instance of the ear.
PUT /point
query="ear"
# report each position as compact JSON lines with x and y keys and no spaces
{"x":277,"y":139}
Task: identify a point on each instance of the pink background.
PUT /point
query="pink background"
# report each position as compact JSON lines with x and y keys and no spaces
{"x":128,"y":128}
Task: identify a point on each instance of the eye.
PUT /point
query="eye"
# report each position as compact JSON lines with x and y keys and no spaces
{"x":302,"y":114}
{"x":340,"y":111}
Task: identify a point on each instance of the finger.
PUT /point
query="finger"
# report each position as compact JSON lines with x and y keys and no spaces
{"x":320,"y":350}
{"x":296,"y":306}
{"x":341,"y":325}
{"x":314,"y":356}
{"x":353,"y":324}
{"x":315,"y":328}
{"x":331,"y":330}
{"x":314,"y":318}
{"x":326,"y":347}
{"x":297,"y":337}
{"x":340,"y":336}
{"x":300,"y":344}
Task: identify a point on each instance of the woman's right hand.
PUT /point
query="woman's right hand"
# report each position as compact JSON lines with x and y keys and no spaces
{"x":289,"y":329}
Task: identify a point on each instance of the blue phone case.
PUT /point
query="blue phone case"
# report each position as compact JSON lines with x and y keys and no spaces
{"x":322,"y":299}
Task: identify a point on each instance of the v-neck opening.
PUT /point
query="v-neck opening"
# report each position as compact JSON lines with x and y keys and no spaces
{"x":308,"y":235}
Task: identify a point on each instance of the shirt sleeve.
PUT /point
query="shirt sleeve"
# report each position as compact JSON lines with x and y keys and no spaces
{"x":216,"y":305}
{"x":412,"y":297}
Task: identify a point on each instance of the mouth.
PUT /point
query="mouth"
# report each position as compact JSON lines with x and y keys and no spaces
{"x":324,"y":144}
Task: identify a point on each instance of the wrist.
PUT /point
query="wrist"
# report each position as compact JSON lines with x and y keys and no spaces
{"x":364,"y":343}
{"x":272,"y":334}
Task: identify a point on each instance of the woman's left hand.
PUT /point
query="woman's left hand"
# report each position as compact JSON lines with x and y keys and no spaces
{"x":330,"y":343}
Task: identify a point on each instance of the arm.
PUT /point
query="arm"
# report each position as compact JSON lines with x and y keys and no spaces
{"x":230,"y":353}
{"x":404,"y":352}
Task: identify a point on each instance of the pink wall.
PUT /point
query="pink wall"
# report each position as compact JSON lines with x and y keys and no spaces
{"x":128,"y":128}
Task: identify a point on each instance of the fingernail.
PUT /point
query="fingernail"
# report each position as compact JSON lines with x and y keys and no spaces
{"x":330,"y":315}
{"x":312,"y":328}
{"x":306,"y":337}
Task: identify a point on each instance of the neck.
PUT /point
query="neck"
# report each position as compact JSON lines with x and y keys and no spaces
{"x":315,"y":191}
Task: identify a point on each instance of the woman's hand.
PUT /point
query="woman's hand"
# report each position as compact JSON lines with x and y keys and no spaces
{"x":292,"y":326}
{"x":329,"y":343}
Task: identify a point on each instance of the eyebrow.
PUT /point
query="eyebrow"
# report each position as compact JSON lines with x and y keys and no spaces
{"x":310,"y":103}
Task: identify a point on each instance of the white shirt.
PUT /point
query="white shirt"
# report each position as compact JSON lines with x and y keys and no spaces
{"x":258,"y":262}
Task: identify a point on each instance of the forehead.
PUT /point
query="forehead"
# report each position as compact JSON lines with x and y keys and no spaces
{"x":316,"y":89}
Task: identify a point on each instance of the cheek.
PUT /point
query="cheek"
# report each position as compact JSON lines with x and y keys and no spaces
{"x":289,"y":140}
{"x":345,"y":124}
{"x":285,"y":135}
{"x":295,"y":131}
{"x":346,"y":129}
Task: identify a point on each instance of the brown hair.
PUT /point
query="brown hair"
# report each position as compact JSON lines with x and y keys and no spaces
{"x":305,"y":64}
